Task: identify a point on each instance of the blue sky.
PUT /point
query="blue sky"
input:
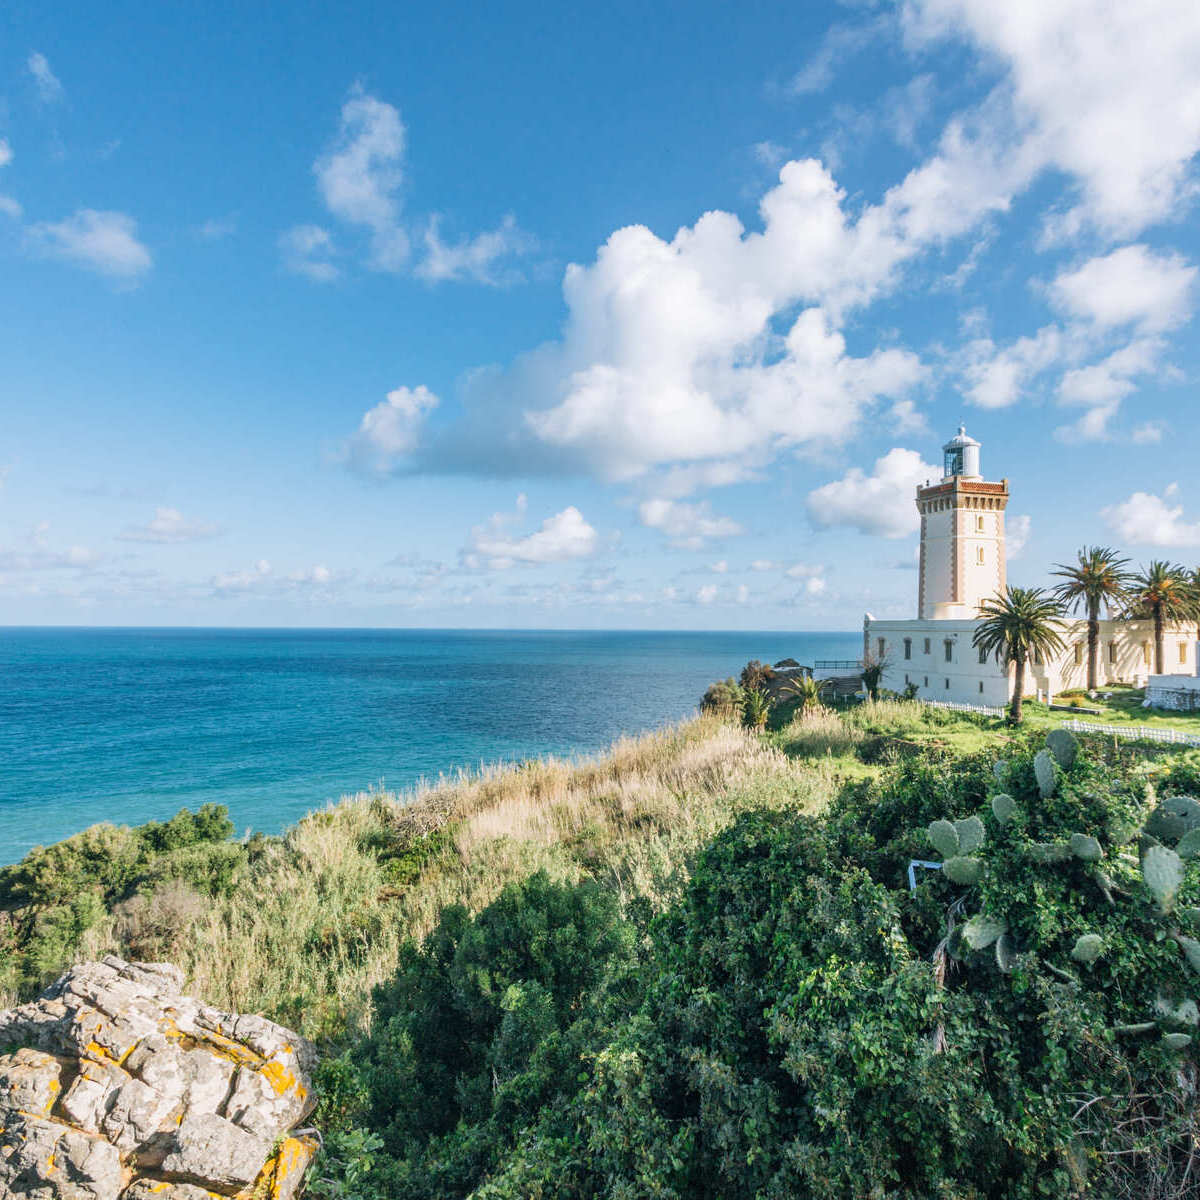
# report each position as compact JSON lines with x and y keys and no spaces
{"x":638,"y":316}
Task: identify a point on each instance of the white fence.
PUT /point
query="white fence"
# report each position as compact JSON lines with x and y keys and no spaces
{"x":988,"y":710}
{"x":1140,"y":733}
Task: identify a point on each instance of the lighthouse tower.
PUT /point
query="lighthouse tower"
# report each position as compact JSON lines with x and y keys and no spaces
{"x":962,"y":536}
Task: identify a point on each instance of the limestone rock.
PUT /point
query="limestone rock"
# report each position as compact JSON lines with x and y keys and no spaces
{"x":123,"y":1088}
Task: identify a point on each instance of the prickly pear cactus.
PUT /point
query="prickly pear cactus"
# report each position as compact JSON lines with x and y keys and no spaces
{"x":1174,"y":818}
{"x":966,"y":872}
{"x":971,"y":833}
{"x":1189,"y":844}
{"x":1000,"y":770}
{"x":1047,"y":776}
{"x":1047,"y":853}
{"x":1088,"y":948}
{"x":1162,"y":869}
{"x":1064,"y":746}
{"x":1086,"y":848}
{"x":944,"y":837}
{"x":1003,"y":807}
{"x":1006,"y":952}
{"x":981,"y":931}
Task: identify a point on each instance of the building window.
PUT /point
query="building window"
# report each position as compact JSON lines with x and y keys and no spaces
{"x":908,"y":650}
{"x":981,"y":687}
{"x":979,"y":555}
{"x":949,"y":650}
{"x":1183,"y":652}
{"x":1078,"y":653}
{"x":927,"y":645}
{"x":906,"y":678}
{"x":947,"y":685}
{"x":979,"y":523}
{"x":1112,"y":652}
{"x":882,"y":643}
{"x":982,"y":655}
{"x":1146,"y":653}
{"x":926,"y":680}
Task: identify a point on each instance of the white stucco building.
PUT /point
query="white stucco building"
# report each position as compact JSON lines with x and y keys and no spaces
{"x":963,"y":563}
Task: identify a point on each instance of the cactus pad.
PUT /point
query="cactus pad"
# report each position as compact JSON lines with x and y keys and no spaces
{"x":962,"y":870}
{"x":981,"y":931}
{"x":1162,"y":869}
{"x":1064,"y":745}
{"x":1003,"y":807}
{"x":1174,"y":817}
{"x":1044,"y":770}
{"x":1191,"y":951}
{"x":1183,"y":1013}
{"x":1000,"y":770}
{"x":1086,"y":847}
{"x":971,"y":833}
{"x":1048,"y":852}
{"x":1176,"y":1041}
{"x":944,"y":837}
{"x":1006,"y":952}
{"x":1189,"y":844}
{"x":1088,"y":948}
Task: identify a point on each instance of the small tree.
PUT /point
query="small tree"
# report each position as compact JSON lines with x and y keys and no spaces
{"x":756,"y":675}
{"x":808,"y":691}
{"x":1016,"y":626}
{"x":1096,"y":581}
{"x":1164,"y":593}
{"x":724,"y":697}
{"x":873,"y":671}
{"x":756,"y":707}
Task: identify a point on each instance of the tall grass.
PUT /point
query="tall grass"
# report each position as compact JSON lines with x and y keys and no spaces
{"x":320,"y":916}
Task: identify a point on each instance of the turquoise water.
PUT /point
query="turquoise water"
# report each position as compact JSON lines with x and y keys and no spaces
{"x":130,"y":725}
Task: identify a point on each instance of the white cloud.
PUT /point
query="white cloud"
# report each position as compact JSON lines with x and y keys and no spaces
{"x":105,"y":242}
{"x":1149,"y":434}
{"x":687,"y":525}
{"x":562,"y":537}
{"x":706,"y":594}
{"x":805,"y":571}
{"x":169,"y":527}
{"x":720,"y":568}
{"x":883,"y":502}
{"x":6,"y":154}
{"x":242,"y":581}
{"x":216,"y":228}
{"x":360,"y":177}
{"x":1016,"y":534}
{"x":49,"y":87}
{"x":840,"y":43}
{"x":1103,"y":90}
{"x":1100,"y":387}
{"x":1130,"y":286}
{"x":309,"y":250}
{"x":996,"y":376}
{"x":391,"y":431}
{"x":475,"y":257}
{"x":1148,"y":520}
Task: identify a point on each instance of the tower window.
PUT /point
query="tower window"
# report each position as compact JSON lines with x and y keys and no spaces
{"x":981,"y":687}
{"x":882,"y":644}
{"x":979,"y":523}
{"x":1112,"y":652}
{"x":927,"y":650}
{"x":949,"y":650}
{"x":947,"y":685}
{"x":979,"y":555}
{"x":908,"y":651}
{"x":1078,"y":653}
{"x":1183,"y":652}
{"x":982,"y":655}
{"x":926,"y":680}
{"x":1146,"y":653}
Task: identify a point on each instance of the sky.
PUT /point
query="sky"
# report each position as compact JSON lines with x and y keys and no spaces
{"x":610,"y":316}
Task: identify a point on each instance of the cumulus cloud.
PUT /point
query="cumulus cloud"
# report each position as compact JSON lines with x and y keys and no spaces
{"x":1104,"y":91}
{"x":104,"y":242}
{"x":996,"y":376}
{"x":687,"y":525}
{"x":883,"y":502}
{"x":49,"y":87}
{"x":308,"y":250}
{"x":1145,"y":519}
{"x":389,"y":432}
{"x":169,"y":527}
{"x":6,"y":154}
{"x":1100,"y":387}
{"x":564,"y":536}
{"x":359,"y":178}
{"x":1131,"y":286}
{"x":1016,"y":534}
{"x":477,"y":257}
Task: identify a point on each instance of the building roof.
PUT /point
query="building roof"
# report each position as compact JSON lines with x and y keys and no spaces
{"x":961,"y":438}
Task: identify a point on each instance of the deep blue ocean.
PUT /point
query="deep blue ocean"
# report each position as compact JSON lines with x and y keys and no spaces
{"x":129,"y":725}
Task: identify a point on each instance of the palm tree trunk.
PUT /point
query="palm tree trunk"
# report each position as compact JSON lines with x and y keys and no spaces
{"x":1158,"y":640}
{"x":1093,"y":650}
{"x":1014,"y":711}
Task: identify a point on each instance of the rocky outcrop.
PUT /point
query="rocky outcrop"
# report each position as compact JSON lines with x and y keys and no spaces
{"x":113,"y":1084}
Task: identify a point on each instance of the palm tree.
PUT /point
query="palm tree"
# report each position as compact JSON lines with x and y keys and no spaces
{"x":873,"y":671}
{"x":808,"y":691}
{"x":1017,"y":625}
{"x":1095,"y":581}
{"x":1164,"y":593}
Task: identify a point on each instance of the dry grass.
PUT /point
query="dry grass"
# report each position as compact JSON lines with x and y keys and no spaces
{"x":319,"y":920}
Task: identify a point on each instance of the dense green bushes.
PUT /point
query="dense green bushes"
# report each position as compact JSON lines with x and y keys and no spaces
{"x":800,"y":1024}
{"x":55,"y":894}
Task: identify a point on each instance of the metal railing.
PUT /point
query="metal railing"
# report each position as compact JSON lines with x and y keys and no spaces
{"x":988,"y":710}
{"x":837,"y":664}
{"x":1138,"y":733}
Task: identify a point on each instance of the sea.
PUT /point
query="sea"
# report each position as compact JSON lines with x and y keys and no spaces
{"x":131,"y":725}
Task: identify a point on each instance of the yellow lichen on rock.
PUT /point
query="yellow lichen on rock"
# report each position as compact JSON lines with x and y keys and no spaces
{"x":284,"y":1172}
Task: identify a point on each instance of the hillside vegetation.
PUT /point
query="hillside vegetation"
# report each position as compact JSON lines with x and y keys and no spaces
{"x":694,"y":968}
